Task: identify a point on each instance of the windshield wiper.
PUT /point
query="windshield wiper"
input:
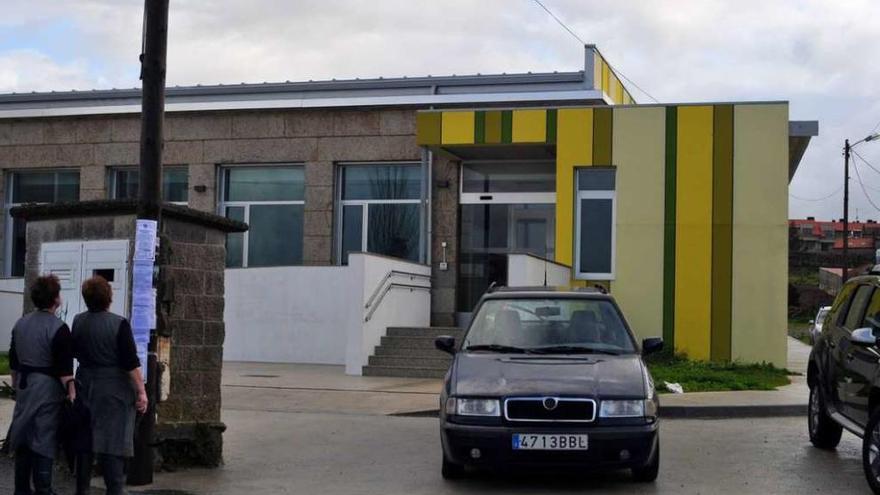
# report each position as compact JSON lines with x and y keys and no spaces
{"x":496,"y":348}
{"x":572,"y":349}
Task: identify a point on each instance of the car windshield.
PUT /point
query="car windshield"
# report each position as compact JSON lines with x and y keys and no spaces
{"x":551,"y":325}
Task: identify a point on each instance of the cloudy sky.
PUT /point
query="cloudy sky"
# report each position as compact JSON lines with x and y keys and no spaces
{"x":819,"y":55}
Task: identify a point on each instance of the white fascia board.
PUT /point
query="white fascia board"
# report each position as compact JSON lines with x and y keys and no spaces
{"x":282,"y":103}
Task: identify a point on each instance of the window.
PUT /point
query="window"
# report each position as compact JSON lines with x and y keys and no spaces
{"x":380,"y":210}
{"x":270,"y":200}
{"x":595,"y":224}
{"x":33,"y":187}
{"x":856,"y":311}
{"x":544,"y":324}
{"x":123,"y":183}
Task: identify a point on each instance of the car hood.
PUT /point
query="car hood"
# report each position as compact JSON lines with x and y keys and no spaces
{"x":500,"y":375}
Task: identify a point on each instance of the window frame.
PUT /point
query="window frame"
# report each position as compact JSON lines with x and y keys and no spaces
{"x":861,"y":317}
{"x":111,"y":179}
{"x":8,"y":205}
{"x":610,"y":194}
{"x":365,"y":207}
{"x":223,"y":204}
{"x":503,"y":197}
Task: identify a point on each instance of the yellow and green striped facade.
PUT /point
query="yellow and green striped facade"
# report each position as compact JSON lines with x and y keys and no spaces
{"x":701,"y":212}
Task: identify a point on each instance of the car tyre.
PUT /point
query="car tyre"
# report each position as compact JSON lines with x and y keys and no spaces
{"x":648,"y":472}
{"x":824,"y":432}
{"x":871,"y":451}
{"x":451,"y":470}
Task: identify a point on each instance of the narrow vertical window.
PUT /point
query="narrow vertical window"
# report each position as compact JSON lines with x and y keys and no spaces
{"x":596,"y":197}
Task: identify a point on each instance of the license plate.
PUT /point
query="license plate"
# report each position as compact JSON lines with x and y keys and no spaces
{"x":529,"y":441}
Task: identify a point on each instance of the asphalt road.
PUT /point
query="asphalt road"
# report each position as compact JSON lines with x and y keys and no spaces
{"x":307,"y":453}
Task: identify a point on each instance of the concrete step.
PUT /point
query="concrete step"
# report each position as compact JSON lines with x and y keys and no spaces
{"x":410,"y":362}
{"x":400,"y":371}
{"x":425,"y":332}
{"x":425,"y":343}
{"x":409,"y":352}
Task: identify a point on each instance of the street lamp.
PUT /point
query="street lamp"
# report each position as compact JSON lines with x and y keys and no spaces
{"x":846,"y":152}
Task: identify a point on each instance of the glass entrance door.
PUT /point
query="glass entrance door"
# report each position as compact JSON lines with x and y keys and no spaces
{"x":506,"y":207}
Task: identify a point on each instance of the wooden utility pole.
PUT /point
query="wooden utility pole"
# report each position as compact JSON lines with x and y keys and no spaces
{"x":153,"y":58}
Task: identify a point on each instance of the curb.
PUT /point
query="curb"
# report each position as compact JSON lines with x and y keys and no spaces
{"x":686,"y":412}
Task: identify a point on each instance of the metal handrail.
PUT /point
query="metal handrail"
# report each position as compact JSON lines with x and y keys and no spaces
{"x":388,"y":288}
{"x":388,"y":275}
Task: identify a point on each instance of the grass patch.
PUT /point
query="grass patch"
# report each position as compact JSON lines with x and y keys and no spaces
{"x":705,"y":376}
{"x":4,"y":363}
{"x":804,"y":276}
{"x":799,"y":328}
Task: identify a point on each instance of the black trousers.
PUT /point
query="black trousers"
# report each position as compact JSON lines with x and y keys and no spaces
{"x":32,"y":466}
{"x":112,"y":468}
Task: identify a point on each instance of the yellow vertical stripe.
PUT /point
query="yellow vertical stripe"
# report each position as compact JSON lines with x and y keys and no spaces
{"x":574,"y":147}
{"x":529,"y":126}
{"x":597,"y":70}
{"x":639,"y":142}
{"x":606,"y":78}
{"x":760,"y":233}
{"x":457,"y":128}
{"x":693,"y":231}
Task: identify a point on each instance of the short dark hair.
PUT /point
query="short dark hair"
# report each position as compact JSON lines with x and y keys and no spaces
{"x":97,"y":293}
{"x":45,"y":291}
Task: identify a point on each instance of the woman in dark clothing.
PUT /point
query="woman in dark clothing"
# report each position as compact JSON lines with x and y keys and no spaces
{"x":40,"y":356}
{"x":110,"y":384}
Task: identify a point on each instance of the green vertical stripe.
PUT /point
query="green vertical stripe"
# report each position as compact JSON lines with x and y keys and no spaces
{"x":669,"y":230}
{"x":493,"y":126}
{"x":722,"y":232}
{"x":479,"y":127}
{"x":603,"y":122}
{"x":506,"y":126}
{"x":551,"y":125}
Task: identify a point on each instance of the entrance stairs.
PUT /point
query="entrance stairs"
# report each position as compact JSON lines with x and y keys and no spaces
{"x":409,"y":352}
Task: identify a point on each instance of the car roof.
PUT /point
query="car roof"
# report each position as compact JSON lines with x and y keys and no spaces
{"x":550,"y":292}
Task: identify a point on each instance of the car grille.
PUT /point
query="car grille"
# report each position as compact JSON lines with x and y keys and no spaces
{"x":550,"y":409}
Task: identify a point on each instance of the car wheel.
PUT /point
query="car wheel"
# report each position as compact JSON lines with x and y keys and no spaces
{"x":871,"y":452}
{"x":451,"y":470}
{"x":648,"y":472}
{"x":824,"y":432}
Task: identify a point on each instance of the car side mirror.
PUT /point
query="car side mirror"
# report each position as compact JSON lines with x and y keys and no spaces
{"x":863,"y":337}
{"x":445,"y":343}
{"x":651,"y":345}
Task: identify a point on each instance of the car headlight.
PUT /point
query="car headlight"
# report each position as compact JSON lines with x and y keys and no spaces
{"x":473,"y":407}
{"x":622,"y":409}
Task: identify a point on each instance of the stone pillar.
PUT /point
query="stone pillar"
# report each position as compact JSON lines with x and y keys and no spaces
{"x":444,"y":226}
{"x":318,"y":216}
{"x":203,"y":174}
{"x":92,"y":184}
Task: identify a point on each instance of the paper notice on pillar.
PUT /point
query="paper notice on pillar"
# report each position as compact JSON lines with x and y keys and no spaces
{"x":143,"y":319}
{"x":144,"y":297}
{"x":142,"y":276}
{"x":145,"y":240}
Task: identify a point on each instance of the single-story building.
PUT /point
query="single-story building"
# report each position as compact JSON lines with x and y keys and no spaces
{"x":450,"y":184}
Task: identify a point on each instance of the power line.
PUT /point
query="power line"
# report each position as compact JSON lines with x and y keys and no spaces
{"x":864,"y":191}
{"x":854,"y":152}
{"x":817,"y":199}
{"x":613,"y":69}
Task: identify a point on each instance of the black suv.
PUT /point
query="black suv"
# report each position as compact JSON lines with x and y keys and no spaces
{"x":844,"y":374}
{"x":549,"y":378}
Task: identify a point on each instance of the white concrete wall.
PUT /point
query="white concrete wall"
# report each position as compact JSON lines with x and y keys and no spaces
{"x":296,"y":314}
{"x":526,"y":270}
{"x":11,"y":304}
{"x":400,"y":307}
{"x":316,"y":314}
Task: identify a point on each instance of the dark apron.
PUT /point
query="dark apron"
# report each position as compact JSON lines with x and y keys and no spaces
{"x":37,"y":414}
{"x":109,"y":395}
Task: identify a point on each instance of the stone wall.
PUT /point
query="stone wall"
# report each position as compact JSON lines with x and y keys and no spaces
{"x":191,"y":262}
{"x":204,"y":140}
